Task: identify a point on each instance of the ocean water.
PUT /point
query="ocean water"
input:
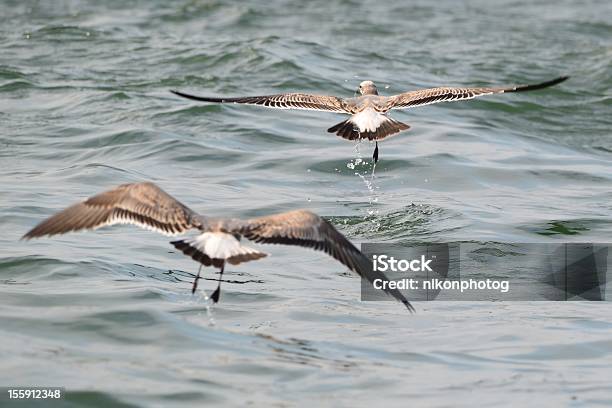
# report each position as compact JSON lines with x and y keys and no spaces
{"x":85,"y":105}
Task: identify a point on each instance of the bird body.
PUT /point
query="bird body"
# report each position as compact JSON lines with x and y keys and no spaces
{"x":218,"y":247}
{"x":218,"y":240}
{"x":369,"y":119}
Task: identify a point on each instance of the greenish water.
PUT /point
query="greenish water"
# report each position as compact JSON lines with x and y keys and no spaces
{"x":84,"y":105}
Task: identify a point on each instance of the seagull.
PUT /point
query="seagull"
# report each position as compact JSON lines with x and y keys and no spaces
{"x":218,"y":239}
{"x":369,"y":119}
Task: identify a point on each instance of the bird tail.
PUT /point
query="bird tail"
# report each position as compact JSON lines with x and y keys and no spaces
{"x":215,"y":248}
{"x":350,"y":131}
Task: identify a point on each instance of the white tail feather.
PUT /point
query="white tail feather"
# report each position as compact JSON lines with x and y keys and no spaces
{"x":219,"y":245}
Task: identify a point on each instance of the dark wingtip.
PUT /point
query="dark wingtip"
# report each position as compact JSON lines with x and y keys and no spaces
{"x":33,"y":233}
{"x":181,"y":94}
{"x":556,"y":81}
{"x":198,"y":98}
{"x":410,"y":308}
{"x":541,"y":85}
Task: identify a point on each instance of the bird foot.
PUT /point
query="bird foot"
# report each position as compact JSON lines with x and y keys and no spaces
{"x":375,"y":155}
{"x":215,"y":295}
{"x":195,"y":281}
{"x":195,"y":285}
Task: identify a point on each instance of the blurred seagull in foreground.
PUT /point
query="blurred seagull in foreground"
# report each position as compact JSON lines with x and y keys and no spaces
{"x":218,"y":240}
{"x":368,"y":111}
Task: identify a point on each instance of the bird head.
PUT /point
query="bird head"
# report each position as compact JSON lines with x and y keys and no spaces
{"x":368,"y":88}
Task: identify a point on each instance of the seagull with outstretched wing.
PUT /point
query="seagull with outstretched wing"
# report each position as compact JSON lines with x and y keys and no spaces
{"x":369,"y":119}
{"x":218,"y":239}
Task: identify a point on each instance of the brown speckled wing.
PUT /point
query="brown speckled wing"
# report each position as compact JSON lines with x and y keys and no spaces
{"x":306,"y":229}
{"x":445,"y":94}
{"x":141,"y":204}
{"x":280,"y":101}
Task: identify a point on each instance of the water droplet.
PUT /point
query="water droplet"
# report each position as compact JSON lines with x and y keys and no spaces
{"x":308,"y":170}
{"x":309,"y":200}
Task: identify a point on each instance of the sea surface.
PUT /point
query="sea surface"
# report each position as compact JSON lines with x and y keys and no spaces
{"x":85,"y":105}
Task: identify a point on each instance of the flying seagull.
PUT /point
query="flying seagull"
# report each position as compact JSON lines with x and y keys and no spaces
{"x":369,"y":119}
{"x":218,"y":240}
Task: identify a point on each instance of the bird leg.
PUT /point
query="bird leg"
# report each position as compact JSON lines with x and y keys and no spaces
{"x":195,"y":281}
{"x":375,"y":155}
{"x":217,"y":292}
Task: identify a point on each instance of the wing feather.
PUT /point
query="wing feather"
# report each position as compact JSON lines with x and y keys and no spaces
{"x":279,"y":101}
{"x":306,"y":229}
{"x":444,"y":94}
{"x":142,"y":204}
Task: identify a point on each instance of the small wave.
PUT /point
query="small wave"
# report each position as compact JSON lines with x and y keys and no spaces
{"x":16,"y":85}
{"x":24,"y":270}
{"x":61,"y":33}
{"x":413,"y":222}
{"x":559,"y":227}
{"x":8,"y":72}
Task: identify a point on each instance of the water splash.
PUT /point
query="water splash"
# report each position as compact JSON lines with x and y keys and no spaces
{"x":209,"y":305}
{"x":371,"y":212}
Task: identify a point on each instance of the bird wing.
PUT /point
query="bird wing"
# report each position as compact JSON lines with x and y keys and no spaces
{"x":142,"y":204}
{"x":446,"y":94}
{"x":280,"y":101}
{"x":306,"y":229}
